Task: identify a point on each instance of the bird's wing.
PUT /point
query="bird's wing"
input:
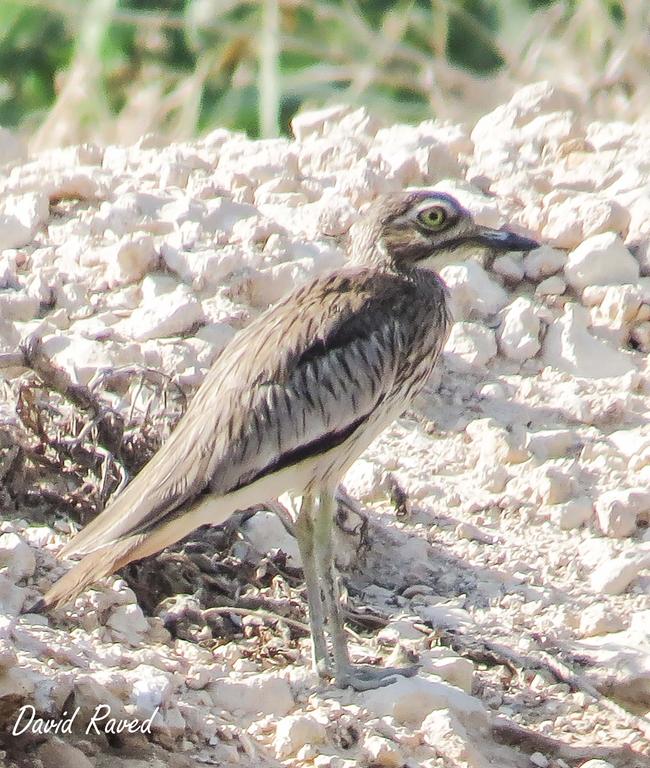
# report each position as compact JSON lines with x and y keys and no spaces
{"x":296,"y":381}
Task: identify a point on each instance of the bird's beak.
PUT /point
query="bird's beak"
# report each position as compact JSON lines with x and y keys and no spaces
{"x":503,"y":240}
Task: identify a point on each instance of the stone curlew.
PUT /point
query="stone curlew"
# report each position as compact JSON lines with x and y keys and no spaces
{"x":293,"y":400}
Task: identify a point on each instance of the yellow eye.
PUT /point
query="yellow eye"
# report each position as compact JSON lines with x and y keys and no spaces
{"x":433,"y":218}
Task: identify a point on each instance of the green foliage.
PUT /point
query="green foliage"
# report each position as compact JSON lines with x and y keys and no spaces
{"x":34,"y":45}
{"x":392,"y":55}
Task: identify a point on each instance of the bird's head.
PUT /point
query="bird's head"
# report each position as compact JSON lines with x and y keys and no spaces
{"x":426,"y":229}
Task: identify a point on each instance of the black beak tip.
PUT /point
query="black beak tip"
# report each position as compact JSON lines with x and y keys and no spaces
{"x":504,"y":240}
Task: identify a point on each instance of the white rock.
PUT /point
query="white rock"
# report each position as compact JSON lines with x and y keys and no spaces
{"x":170,"y":722}
{"x":571,"y":220}
{"x":20,"y":218}
{"x":640,"y":334}
{"x":18,"y":305}
{"x":519,"y":331}
{"x":16,"y":556}
{"x":569,"y":347}
{"x":363,"y":481}
{"x":597,"y":764}
{"x":543,"y":262}
{"x":295,"y":731}
{"x":555,"y":486}
{"x":11,"y":596}
{"x":126,"y":261}
{"x":55,"y":753}
{"x":314,"y":123}
{"x":445,"y":732}
{"x":552,"y":443}
{"x":158,"y":318}
{"x":540,"y":760}
{"x":452,"y":669}
{"x":15,"y":687}
{"x":492,"y":477}
{"x":552,"y":286}
{"x":266,"y":532}
{"x":526,"y":105}
{"x":150,"y":688}
{"x":614,"y":575}
{"x":268,"y":286}
{"x":496,"y":444}
{"x":382,"y":752}
{"x":81,"y":358}
{"x":483,"y":207}
{"x":618,"y":510}
{"x":600,"y":260}
{"x":573,"y":513}
{"x":397,"y":631}
{"x":265,"y":694}
{"x":473,"y":292}
{"x":510,"y":269}
{"x":128,"y":624}
{"x":470,"y":347}
{"x":411,"y":699}
{"x":598,"y":619}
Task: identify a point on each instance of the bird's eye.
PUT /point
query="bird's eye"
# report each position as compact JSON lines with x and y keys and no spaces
{"x":433,"y":218}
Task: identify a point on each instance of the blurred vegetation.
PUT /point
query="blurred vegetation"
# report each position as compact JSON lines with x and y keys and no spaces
{"x":74,"y":70}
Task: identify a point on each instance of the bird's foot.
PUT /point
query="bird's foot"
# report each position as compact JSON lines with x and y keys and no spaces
{"x":365,"y":677}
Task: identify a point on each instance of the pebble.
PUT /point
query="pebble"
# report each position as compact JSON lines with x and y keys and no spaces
{"x":382,"y":752}
{"x":128,"y":624}
{"x":55,"y":753}
{"x":552,"y":286}
{"x":265,"y":694}
{"x":454,"y":670}
{"x":555,"y":486}
{"x":618,"y":510}
{"x":159,"y":318}
{"x":411,"y":699}
{"x":575,"y":219}
{"x":598,"y":619}
{"x":543,"y":262}
{"x":18,"y":305}
{"x":548,"y":444}
{"x":569,"y":346}
{"x":20,"y":218}
{"x":294,"y":732}
{"x":572,"y":514}
{"x":600,"y":260}
{"x":266,"y":533}
{"x":519,"y":331}
{"x":16,"y":557}
{"x":450,"y":737}
{"x":613,"y":576}
{"x":474,"y":294}
{"x":469,"y":347}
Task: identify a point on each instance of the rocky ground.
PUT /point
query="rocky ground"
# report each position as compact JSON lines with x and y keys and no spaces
{"x":501,"y":537}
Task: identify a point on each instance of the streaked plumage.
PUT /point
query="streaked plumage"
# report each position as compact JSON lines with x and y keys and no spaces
{"x":295,"y":398}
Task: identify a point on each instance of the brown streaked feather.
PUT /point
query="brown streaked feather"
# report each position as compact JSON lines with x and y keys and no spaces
{"x":102,"y":562}
{"x":228,"y":437}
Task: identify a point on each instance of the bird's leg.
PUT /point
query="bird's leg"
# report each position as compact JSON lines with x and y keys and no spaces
{"x":329,"y":583}
{"x":362,"y":677}
{"x":304,"y":530}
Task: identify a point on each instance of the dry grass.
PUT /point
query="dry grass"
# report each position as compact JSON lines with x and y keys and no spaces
{"x":256,"y":62}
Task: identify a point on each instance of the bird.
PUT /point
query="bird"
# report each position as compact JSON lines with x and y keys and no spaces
{"x":292,"y":402}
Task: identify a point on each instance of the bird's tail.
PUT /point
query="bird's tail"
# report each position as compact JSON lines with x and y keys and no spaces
{"x":101,"y":562}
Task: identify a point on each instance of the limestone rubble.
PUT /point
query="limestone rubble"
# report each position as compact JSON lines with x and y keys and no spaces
{"x":526,"y":466}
